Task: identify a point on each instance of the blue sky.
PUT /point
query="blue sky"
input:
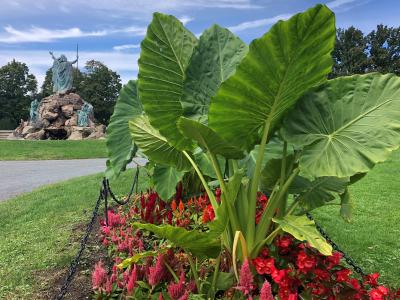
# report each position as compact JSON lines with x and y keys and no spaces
{"x":111,"y":31}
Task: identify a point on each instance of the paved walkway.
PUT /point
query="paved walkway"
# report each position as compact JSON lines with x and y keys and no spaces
{"x":18,"y":177}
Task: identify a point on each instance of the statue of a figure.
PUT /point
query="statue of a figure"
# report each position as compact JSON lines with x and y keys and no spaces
{"x":62,"y":74}
{"x":33,"y":112}
{"x":84,"y":114}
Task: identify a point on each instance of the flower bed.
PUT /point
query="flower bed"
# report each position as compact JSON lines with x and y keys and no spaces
{"x":146,"y":267}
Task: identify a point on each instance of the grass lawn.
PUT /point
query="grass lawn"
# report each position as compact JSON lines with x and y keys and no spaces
{"x":36,"y":229}
{"x":33,"y":150}
{"x":373,"y":237}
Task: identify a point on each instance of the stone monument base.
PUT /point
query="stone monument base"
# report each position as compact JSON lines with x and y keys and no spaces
{"x":58,"y":120}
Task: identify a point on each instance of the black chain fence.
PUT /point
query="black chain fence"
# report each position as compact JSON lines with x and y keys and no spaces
{"x":106,"y":191}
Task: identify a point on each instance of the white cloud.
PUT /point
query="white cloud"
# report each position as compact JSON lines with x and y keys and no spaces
{"x":338,"y":3}
{"x":126,"y":47}
{"x":38,"y":62}
{"x":185,"y":19}
{"x":39,"y":34}
{"x":258,"y":23}
{"x":44,"y":35}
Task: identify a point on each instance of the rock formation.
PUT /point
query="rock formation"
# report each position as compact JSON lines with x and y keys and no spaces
{"x":58,"y":119}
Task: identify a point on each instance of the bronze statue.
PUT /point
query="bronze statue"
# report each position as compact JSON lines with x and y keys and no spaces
{"x":62,"y":74}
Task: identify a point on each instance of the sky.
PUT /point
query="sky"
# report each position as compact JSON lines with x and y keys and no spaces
{"x":111,"y":30}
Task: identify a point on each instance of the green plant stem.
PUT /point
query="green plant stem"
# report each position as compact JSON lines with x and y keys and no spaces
{"x":176,"y":278}
{"x":215,"y":275}
{"x":226,"y":196}
{"x":235,"y":165}
{"x":204,"y":182}
{"x":292,"y":207}
{"x":273,"y":203}
{"x":282,"y":205}
{"x":194,"y":272}
{"x":254,"y":186}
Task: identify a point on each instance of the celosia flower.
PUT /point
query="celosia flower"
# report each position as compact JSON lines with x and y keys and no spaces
{"x":173,"y":205}
{"x":109,"y":286}
{"x":177,"y":290}
{"x":99,"y":275}
{"x":131,"y":281}
{"x":157,"y":273}
{"x":266,"y":292}
{"x":181,"y":207}
{"x":246,"y":281}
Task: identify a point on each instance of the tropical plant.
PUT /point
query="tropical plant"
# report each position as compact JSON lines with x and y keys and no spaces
{"x":268,"y":113}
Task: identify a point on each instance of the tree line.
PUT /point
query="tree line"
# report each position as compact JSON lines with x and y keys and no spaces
{"x":354,"y":53}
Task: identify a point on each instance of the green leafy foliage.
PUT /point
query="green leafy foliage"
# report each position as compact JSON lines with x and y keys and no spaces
{"x":155,"y":146}
{"x":207,"y":138}
{"x":165,"y":55}
{"x":119,"y":142}
{"x":280,"y":66}
{"x":347,"y":125}
{"x":214,"y":59}
{"x":319,"y":191}
{"x":199,"y":243}
{"x":304,"y":229}
{"x":165,"y":179}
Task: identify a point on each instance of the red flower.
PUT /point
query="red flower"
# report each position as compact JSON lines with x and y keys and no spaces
{"x":305,"y":263}
{"x":343,"y":275}
{"x":322,"y":274}
{"x":284,"y":241}
{"x":333,"y":260}
{"x":264,"y":265}
{"x":208,"y":214}
{"x":372,"y":279}
{"x":355,"y":284}
{"x":378,"y":293}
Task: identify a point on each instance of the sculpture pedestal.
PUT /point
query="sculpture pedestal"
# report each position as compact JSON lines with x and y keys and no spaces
{"x":58,"y":119}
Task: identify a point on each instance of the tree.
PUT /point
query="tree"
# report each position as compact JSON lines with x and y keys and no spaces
{"x":350,"y":53}
{"x":384,"y":49}
{"x":18,"y":87}
{"x":100,"y":86}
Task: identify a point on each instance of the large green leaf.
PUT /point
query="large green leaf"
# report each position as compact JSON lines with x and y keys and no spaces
{"x":205,"y":165}
{"x":199,"y":243}
{"x":304,"y":229}
{"x":280,"y":66}
{"x":165,"y":179}
{"x":164,"y":57}
{"x":208,"y":138}
{"x":155,"y":146}
{"x":272,"y":172}
{"x":214,"y":59}
{"x":319,"y":191}
{"x":119,"y":142}
{"x":347,"y":125}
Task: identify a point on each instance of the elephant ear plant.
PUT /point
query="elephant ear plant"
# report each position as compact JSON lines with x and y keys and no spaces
{"x":269,"y":113}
